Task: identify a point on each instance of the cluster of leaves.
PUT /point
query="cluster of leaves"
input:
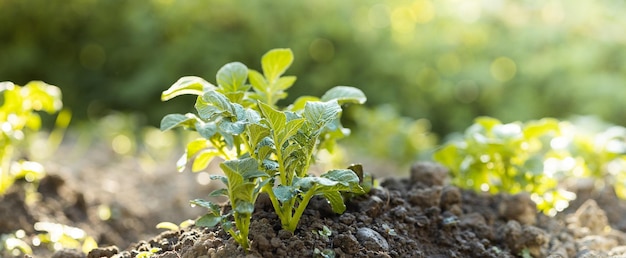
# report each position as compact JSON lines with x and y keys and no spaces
{"x":265,"y":149}
{"x":535,"y":157}
{"x":18,"y":119}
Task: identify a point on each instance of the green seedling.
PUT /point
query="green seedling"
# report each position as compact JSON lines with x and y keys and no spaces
{"x":496,"y":157}
{"x":266,"y":149}
{"x":18,"y":120}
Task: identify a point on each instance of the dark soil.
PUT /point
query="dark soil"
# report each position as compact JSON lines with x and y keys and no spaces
{"x":418,"y":216}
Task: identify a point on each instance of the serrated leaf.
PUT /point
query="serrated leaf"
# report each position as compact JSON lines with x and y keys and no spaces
{"x":187,"y":85}
{"x":208,"y":220}
{"x":275,"y":62}
{"x":232,"y":76}
{"x":336,"y":201}
{"x":219,"y":192}
{"x":174,"y":120}
{"x":203,"y":158}
{"x":284,"y":193}
{"x":345,"y":94}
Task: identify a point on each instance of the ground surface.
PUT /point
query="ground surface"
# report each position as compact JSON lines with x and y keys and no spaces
{"x":416,"y":216}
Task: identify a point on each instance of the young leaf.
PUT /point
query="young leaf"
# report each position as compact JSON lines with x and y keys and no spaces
{"x":203,"y":158}
{"x":345,"y":94}
{"x":187,"y":85}
{"x":174,"y":120}
{"x":219,"y":192}
{"x":232,"y":77}
{"x":336,"y":201}
{"x":284,"y":193}
{"x":285,"y":82}
{"x":319,"y":114}
{"x":275,"y":118}
{"x":244,"y":207}
{"x":221,"y":102}
{"x":209,"y":220}
{"x":275,"y":63}
{"x":259,"y":84}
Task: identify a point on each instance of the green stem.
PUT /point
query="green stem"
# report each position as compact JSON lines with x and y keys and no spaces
{"x":268,"y":188}
{"x":293,"y":223}
{"x":220,"y":149}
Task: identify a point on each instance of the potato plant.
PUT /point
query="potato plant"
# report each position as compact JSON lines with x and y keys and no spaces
{"x":496,"y":157}
{"x":536,"y":157}
{"x":18,"y":119}
{"x":265,"y":148}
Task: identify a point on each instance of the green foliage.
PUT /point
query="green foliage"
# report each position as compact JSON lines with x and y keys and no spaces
{"x":438,"y":60}
{"x":18,"y":119}
{"x":536,"y":157}
{"x":265,"y":148}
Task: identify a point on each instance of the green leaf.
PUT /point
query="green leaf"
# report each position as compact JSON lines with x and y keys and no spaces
{"x":284,"y":83}
{"x":174,"y":120}
{"x":208,"y":220}
{"x":336,"y":201}
{"x":275,"y":118}
{"x":284,"y":193}
{"x":195,"y":146}
{"x":206,"y":130}
{"x":221,"y":102}
{"x":212,"y":207}
{"x":275,"y":62}
{"x":246,"y":168}
{"x":223,"y":179}
{"x":259,"y":84}
{"x":256,"y":133}
{"x":244,"y":207}
{"x":242,"y":192}
{"x":319,"y":114}
{"x":187,"y":85}
{"x":203,"y":158}
{"x":219,"y":192}
{"x":344,"y":176}
{"x":232,"y":76}
{"x":345,"y":94}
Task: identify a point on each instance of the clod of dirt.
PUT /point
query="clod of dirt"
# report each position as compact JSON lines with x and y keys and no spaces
{"x":428,"y":173}
{"x":519,"y":207}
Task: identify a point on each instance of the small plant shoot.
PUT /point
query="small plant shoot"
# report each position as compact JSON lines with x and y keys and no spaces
{"x":265,"y":148}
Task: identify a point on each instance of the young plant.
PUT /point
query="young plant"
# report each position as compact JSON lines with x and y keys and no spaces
{"x":266,"y":149}
{"x":498,"y":157}
{"x":18,"y":119}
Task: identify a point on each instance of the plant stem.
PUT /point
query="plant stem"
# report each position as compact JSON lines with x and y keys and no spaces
{"x":293,"y":223}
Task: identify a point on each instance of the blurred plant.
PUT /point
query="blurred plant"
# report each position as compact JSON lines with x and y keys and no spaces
{"x":265,"y":149}
{"x":536,"y":157}
{"x":498,"y":157}
{"x":382,"y":133}
{"x":58,"y":236}
{"x":14,"y":244}
{"x":18,"y":120}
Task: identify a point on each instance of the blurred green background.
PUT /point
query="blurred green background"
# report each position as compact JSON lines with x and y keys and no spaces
{"x":445,"y":61}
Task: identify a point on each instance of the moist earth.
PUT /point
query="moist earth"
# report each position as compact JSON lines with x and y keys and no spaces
{"x":419,"y":216}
